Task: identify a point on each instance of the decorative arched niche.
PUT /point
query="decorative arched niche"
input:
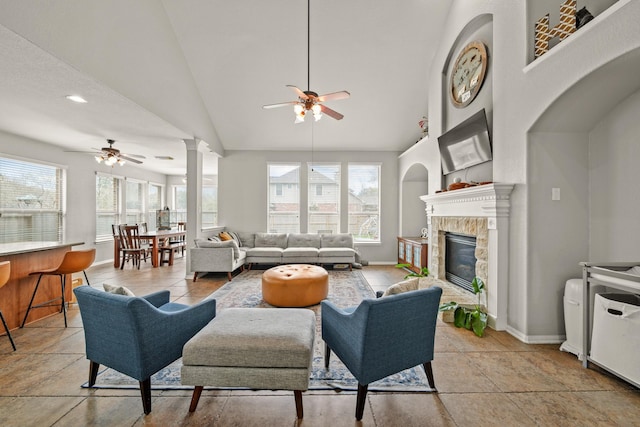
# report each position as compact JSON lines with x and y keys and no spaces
{"x":414,"y":183}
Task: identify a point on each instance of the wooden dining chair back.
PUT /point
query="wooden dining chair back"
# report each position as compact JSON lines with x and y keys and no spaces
{"x":73,"y":262}
{"x":5,"y":271}
{"x":131,"y":245}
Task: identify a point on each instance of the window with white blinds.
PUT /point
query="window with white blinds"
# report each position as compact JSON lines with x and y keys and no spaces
{"x":156,"y":202}
{"x":108,"y":203}
{"x":324,"y":198}
{"x":135,"y":195}
{"x":364,"y":202}
{"x":31,"y":201}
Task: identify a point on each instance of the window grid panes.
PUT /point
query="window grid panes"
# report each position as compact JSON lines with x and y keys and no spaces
{"x":324,"y":198}
{"x":284,"y":200}
{"x":364,"y":202}
{"x":179,"y":213}
{"x":155,"y":203}
{"x":209,"y":206}
{"x":135,"y":210}
{"x":107,"y":205}
{"x":31,"y":201}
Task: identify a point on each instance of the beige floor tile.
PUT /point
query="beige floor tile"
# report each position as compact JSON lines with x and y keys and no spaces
{"x":485,"y":409}
{"x":35,"y":411}
{"x":510,"y":371}
{"x":622,"y":408}
{"x":104,"y":411}
{"x":456,"y":373}
{"x":559,"y":409}
{"x":418,"y":409}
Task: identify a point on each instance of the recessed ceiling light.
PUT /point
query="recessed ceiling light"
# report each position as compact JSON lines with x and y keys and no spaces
{"x":77,"y":98}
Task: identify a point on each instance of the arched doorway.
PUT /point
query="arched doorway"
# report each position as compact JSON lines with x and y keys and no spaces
{"x":415,"y":183}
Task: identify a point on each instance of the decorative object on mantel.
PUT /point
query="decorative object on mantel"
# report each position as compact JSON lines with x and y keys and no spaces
{"x":582,"y":17}
{"x":457,"y":184}
{"x":472,"y":317}
{"x":424,"y":126}
{"x":564,"y":29}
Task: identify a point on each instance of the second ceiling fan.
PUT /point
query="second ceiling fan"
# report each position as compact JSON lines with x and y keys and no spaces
{"x":309,"y":100}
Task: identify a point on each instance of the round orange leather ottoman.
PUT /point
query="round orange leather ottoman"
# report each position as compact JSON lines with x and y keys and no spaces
{"x":297,"y":285}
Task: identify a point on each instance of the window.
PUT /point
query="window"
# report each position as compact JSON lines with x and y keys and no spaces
{"x":209,"y":206}
{"x":179,"y":205}
{"x":364,"y":202}
{"x":135,"y":195}
{"x":31,"y":201}
{"x":324,"y":198}
{"x":283,"y":206}
{"x":155,"y":203}
{"x":107,"y":205}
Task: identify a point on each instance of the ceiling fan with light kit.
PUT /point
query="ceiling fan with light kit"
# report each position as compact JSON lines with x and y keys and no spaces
{"x":309,"y":100}
{"x":112,"y":156}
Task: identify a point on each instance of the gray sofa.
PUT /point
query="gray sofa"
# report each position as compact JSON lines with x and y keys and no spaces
{"x":270,"y":248}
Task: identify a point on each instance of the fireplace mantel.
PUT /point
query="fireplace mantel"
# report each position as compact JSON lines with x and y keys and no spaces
{"x":482,"y":211}
{"x":489,"y":201}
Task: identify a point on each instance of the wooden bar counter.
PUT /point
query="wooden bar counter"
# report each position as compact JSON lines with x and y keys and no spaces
{"x":25,"y":258}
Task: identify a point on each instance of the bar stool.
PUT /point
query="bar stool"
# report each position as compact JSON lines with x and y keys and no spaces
{"x":5,"y":269}
{"x":73,"y":262}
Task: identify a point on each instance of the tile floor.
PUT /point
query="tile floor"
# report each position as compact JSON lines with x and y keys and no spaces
{"x":496,"y":380}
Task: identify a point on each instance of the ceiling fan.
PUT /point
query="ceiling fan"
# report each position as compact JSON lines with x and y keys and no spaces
{"x":110,"y":156}
{"x":309,"y":100}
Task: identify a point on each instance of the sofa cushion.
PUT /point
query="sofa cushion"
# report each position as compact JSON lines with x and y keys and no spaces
{"x":300,"y":240}
{"x":271,"y":240}
{"x":118,"y":290}
{"x":336,"y":252}
{"x":224,"y":236}
{"x":202,"y":243}
{"x":342,"y":240}
{"x":264,"y":252}
{"x":291,"y":252}
{"x":248,"y":239}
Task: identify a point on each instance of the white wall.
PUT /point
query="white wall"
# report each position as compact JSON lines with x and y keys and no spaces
{"x":243,"y":191}
{"x":614,"y":153}
{"x":80,"y":220}
{"x":521,"y":94}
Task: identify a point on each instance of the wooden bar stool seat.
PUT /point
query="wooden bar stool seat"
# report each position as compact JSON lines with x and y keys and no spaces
{"x":5,"y":270}
{"x":73,"y":262}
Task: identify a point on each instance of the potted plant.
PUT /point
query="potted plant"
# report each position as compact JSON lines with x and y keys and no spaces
{"x":470,"y":317}
{"x":424,"y":271}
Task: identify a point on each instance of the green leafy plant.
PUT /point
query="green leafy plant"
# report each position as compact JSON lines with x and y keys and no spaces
{"x":424,"y":271}
{"x":472,"y":318}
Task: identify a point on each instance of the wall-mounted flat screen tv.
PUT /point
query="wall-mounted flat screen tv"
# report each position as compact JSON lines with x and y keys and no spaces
{"x":467,"y":144}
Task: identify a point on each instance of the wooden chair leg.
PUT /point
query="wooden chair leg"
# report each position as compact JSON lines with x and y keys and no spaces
{"x":229,"y":276}
{"x":93,"y":372}
{"x":429,"y":372}
{"x":361,"y":399}
{"x":327,"y":355}
{"x":197,"y":391}
{"x":195,"y":276}
{"x":145,"y":392}
{"x":297,"y":394}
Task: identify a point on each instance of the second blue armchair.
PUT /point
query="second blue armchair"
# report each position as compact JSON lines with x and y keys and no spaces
{"x":137,"y":336}
{"x":381,"y":337}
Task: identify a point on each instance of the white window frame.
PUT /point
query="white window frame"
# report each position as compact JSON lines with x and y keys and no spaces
{"x":291,"y":227}
{"x":374,"y":221}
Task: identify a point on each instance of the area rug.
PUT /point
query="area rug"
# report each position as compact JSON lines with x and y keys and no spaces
{"x":346,"y":288}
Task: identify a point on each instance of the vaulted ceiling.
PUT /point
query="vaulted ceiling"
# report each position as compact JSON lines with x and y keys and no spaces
{"x":157,"y":72}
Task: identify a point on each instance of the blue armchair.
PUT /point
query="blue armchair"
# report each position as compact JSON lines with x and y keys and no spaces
{"x":137,"y":336}
{"x":381,"y":337}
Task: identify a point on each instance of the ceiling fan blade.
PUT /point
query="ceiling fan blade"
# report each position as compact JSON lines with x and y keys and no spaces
{"x":298,"y":92}
{"x":130,"y":159}
{"x":282,"y":104}
{"x":331,"y":113}
{"x":137,"y":156}
{"x":334,"y":96}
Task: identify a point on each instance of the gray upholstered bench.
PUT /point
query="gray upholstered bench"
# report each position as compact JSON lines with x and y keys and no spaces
{"x":256,"y":348}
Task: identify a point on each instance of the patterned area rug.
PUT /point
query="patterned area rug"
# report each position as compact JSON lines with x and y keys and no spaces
{"x":346,"y":288}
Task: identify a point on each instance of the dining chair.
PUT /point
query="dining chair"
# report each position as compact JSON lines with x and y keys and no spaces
{"x":5,"y":270}
{"x":73,"y":262}
{"x":131,"y":245}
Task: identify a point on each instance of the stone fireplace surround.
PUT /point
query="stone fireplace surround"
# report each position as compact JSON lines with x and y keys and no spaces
{"x":481,"y":211}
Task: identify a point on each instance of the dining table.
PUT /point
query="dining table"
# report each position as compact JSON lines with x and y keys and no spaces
{"x":153,"y":236}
